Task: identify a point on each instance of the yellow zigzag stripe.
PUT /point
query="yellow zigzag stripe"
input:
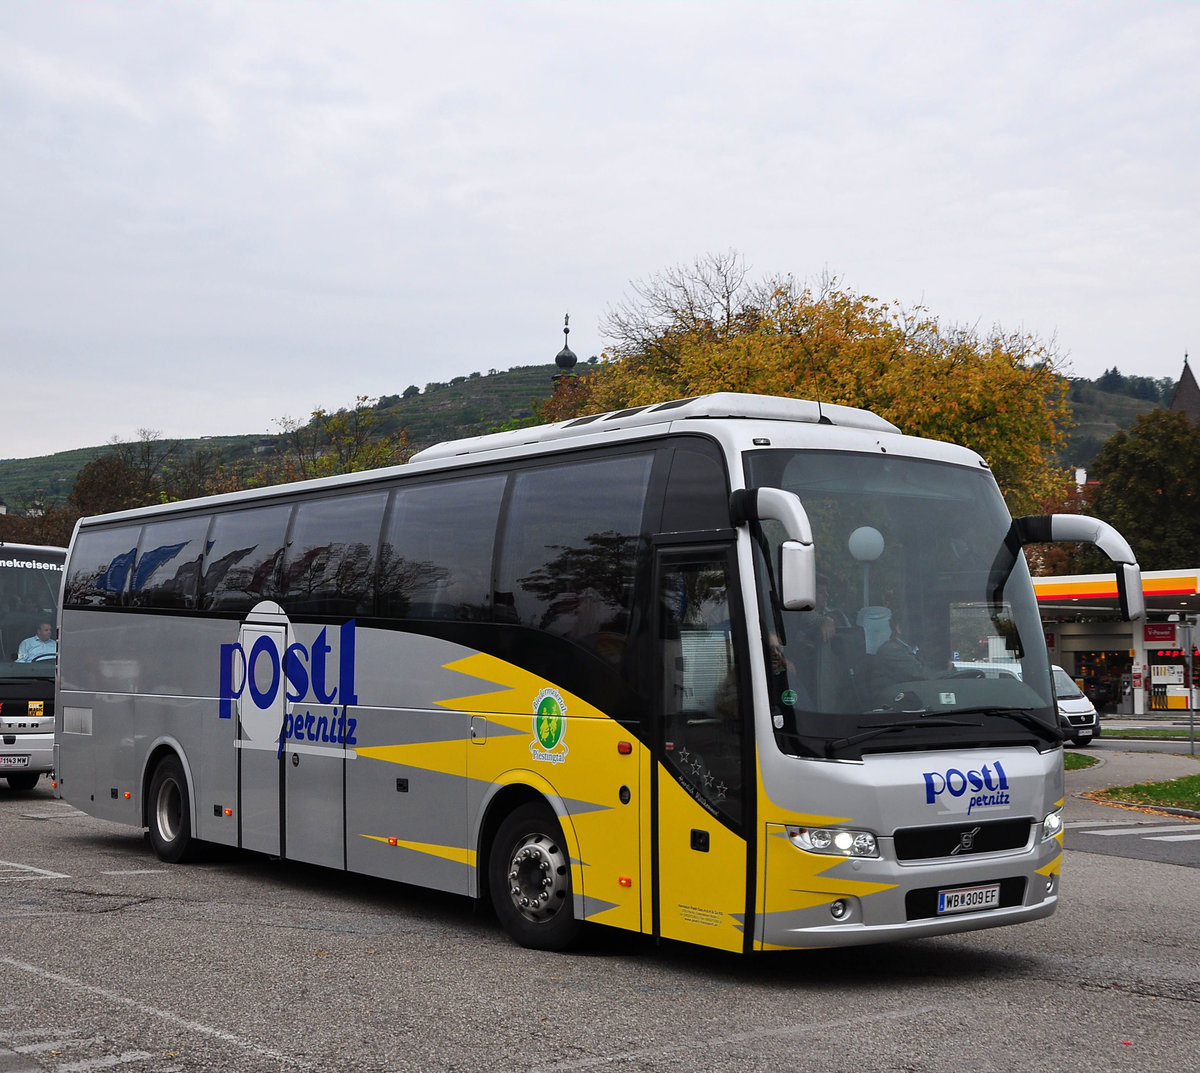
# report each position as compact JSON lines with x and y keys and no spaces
{"x":1053,"y":868}
{"x":448,"y":853}
{"x":515,"y":689}
{"x":444,"y":757}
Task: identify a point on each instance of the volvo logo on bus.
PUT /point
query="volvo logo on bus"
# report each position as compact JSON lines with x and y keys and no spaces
{"x":306,"y":674}
{"x":966,"y":841}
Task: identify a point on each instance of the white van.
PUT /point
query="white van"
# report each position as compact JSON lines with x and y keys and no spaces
{"x":1076,"y":714}
{"x":1082,"y":722}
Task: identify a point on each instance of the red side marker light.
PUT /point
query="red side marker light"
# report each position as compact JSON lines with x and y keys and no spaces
{"x":624,"y":747}
{"x":393,"y":842}
{"x":128,"y":795}
{"x":229,"y":812}
{"x":624,"y":881}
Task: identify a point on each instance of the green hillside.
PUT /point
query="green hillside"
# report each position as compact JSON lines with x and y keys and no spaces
{"x":1098,"y":415}
{"x":467,"y":406}
{"x":480,"y":403}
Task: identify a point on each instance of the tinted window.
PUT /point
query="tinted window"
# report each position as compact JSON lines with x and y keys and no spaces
{"x":329,"y":565}
{"x":570,"y":548}
{"x":166,"y":572}
{"x":702,"y":709}
{"x":243,"y":554}
{"x":697,"y":491}
{"x":101,"y":565}
{"x":436,"y":557}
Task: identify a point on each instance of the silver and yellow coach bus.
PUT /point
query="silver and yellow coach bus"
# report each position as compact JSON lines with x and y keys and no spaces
{"x":685,"y":669}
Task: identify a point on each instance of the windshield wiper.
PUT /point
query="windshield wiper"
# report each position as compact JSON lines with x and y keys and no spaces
{"x":874,"y":730}
{"x":1032,"y":722}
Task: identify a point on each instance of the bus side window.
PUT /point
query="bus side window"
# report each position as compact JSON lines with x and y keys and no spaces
{"x":166,"y":573}
{"x":329,"y":562}
{"x":436,"y":557}
{"x":697,"y":495}
{"x":570,"y":549}
{"x":101,"y":565}
{"x":244,"y":549}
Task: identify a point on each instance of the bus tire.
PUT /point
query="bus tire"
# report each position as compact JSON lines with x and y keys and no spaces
{"x":170,"y":812}
{"x":529,"y":876}
{"x":24,"y":781}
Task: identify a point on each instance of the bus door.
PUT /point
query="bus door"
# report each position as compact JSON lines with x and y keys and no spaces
{"x":314,"y":767}
{"x":701,"y":794}
{"x":315,"y":754}
{"x":261,"y":705}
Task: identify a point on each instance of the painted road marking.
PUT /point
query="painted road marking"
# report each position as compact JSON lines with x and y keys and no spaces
{"x":11,"y":871}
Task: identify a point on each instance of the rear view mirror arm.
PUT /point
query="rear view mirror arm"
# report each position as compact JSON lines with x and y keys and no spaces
{"x":1056,"y":528}
{"x":797,"y":556}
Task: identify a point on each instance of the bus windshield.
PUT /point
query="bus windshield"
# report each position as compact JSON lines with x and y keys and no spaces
{"x":29,"y":583}
{"x":909,"y":602}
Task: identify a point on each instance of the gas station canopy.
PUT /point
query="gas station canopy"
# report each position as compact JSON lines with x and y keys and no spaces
{"x":1168,"y":592}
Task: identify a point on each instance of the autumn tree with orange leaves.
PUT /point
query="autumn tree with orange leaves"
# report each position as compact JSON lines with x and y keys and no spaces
{"x":707,"y":327}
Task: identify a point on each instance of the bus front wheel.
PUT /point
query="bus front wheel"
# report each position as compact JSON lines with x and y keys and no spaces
{"x":170,"y":812}
{"x":530,"y":880}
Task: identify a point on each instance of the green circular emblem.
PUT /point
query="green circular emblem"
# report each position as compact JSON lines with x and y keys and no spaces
{"x":788,"y":697}
{"x":548,"y":723}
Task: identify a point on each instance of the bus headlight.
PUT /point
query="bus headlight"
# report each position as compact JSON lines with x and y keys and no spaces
{"x":1053,"y":824}
{"x":838,"y":841}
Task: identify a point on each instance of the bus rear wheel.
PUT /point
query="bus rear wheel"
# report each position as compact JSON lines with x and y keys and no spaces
{"x":170,"y":812}
{"x":530,"y":880}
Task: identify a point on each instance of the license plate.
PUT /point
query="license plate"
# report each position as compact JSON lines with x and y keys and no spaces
{"x":969,"y":899}
{"x":20,"y":760}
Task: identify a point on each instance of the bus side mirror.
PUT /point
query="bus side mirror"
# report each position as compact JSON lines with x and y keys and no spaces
{"x":1050,"y":528}
{"x":1129,"y":589}
{"x":797,"y":576}
{"x":797,"y":556}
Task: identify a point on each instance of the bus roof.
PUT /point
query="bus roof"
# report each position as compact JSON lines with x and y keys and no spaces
{"x":629,"y":424}
{"x":721,"y":404}
{"x":9,"y":547}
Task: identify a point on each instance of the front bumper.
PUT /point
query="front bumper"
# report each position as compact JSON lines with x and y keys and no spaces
{"x":39,"y":748}
{"x":810,"y":900}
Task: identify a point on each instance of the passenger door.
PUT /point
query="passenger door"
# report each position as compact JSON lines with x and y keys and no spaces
{"x":314,"y":755}
{"x":260,"y":710}
{"x":702,"y":794}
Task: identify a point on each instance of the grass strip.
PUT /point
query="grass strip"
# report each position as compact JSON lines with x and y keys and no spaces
{"x":1150,"y":733}
{"x":1181,"y":793}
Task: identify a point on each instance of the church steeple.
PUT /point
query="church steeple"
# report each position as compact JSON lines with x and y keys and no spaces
{"x":566,"y":359}
{"x":1186,"y":398}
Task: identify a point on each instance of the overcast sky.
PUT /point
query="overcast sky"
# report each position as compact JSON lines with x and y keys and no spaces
{"x":217,"y":215}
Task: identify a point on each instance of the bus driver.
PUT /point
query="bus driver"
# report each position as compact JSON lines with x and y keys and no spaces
{"x":40,"y":646}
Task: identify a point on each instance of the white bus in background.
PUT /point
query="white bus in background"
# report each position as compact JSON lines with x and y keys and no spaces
{"x":30,"y":579}
{"x":594,"y":672}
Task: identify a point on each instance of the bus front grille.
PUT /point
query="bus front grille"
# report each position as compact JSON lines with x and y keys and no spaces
{"x":961,"y":840}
